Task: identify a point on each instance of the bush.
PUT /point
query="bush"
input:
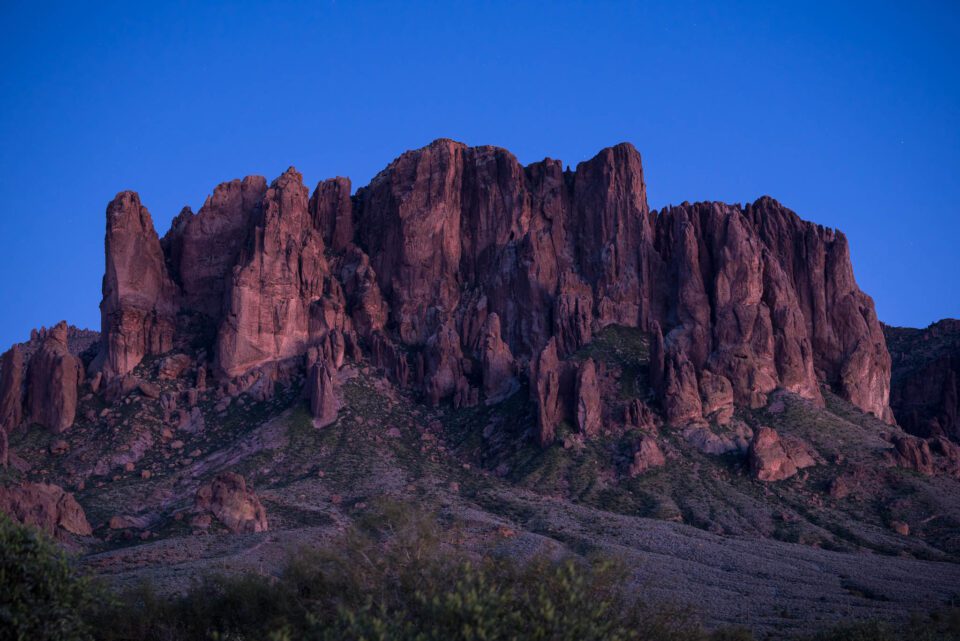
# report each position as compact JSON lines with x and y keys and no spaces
{"x":42,"y":596}
{"x":391,"y":578}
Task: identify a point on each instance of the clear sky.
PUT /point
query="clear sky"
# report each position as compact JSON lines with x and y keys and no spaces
{"x":849,"y":113}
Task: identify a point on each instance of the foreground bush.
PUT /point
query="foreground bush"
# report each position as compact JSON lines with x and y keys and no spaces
{"x":391,"y":579}
{"x":42,"y":596}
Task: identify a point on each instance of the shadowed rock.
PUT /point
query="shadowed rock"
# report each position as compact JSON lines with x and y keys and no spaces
{"x":234,"y":505}
{"x":53,"y":377}
{"x":46,"y":507}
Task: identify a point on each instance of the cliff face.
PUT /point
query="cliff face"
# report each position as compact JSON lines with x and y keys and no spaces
{"x":40,"y":379}
{"x":925,"y":386}
{"x":459,"y":271}
{"x":140,"y":299}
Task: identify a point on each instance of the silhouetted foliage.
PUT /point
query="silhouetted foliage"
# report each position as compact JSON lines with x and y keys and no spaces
{"x":42,"y":595}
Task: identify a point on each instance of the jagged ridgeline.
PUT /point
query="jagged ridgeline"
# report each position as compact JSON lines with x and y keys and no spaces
{"x":461,"y":274}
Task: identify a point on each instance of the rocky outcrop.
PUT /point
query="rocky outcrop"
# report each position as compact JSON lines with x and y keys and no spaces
{"x":573,"y":314}
{"x":925,"y":383}
{"x":139,"y":307}
{"x":546,"y":376}
{"x":235,"y":505}
{"x":53,"y":377}
{"x":11,"y":388}
{"x":589,"y":410}
{"x":39,"y":380}
{"x":449,"y":241}
{"x":497,"y":362}
{"x":914,"y":453}
{"x":845,"y":337}
{"x":273,"y":309}
{"x":172,"y":367}
{"x":639,"y":415}
{"x":716,"y":397}
{"x":324,"y":404}
{"x":46,"y":507}
{"x":774,"y":459}
{"x":332,"y":212}
{"x":443,"y":361}
{"x":680,"y":395}
{"x":368,"y":311}
{"x":647,"y":456}
{"x":204,"y":248}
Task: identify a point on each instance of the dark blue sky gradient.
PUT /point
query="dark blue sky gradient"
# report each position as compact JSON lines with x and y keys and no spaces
{"x":847,"y":113}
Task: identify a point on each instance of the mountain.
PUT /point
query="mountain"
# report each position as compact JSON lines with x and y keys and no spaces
{"x":926,"y":367}
{"x":524,"y":349}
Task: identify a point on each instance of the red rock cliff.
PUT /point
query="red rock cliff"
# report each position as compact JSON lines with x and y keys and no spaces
{"x":456,"y":265}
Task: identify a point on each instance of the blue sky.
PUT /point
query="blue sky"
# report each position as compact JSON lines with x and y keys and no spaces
{"x":849,"y":113}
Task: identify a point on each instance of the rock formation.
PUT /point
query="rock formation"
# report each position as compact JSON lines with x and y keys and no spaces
{"x":914,"y":453}
{"x":236,"y":506}
{"x":324,"y":404}
{"x":279,"y":277}
{"x":647,"y":456}
{"x":202,"y":249}
{"x":46,"y":507}
{"x":589,"y":412}
{"x":497,"y":362}
{"x":546,"y":375}
{"x":11,"y":388}
{"x":773,"y":459}
{"x":139,"y":307}
{"x":53,"y":377}
{"x":925,"y":384}
{"x":458,"y":268}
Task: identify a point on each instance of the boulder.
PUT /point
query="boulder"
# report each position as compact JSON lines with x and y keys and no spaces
{"x":914,"y":453}
{"x":172,"y":367}
{"x":716,"y":396}
{"x":59,"y":447}
{"x":148,"y":389}
{"x":647,"y":456}
{"x":768,"y":459}
{"x":47,"y":507}
{"x":229,"y":499}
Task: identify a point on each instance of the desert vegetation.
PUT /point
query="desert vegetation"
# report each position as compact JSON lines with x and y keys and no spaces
{"x":390,"y":577}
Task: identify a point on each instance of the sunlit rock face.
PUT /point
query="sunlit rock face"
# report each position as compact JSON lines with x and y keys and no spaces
{"x":458,"y":272}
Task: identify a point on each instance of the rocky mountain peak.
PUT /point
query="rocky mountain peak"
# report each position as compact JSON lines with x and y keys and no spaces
{"x":749,"y":299}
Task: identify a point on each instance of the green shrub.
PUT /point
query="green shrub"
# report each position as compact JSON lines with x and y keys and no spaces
{"x":42,"y":596}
